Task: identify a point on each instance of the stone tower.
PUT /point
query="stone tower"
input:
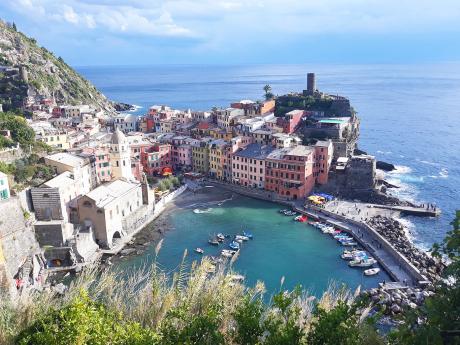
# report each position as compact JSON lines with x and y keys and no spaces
{"x":120,"y":156}
{"x":311,"y":83}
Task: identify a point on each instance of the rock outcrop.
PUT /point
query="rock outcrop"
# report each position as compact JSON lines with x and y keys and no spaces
{"x":30,"y":70}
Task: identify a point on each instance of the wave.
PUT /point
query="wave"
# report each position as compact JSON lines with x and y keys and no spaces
{"x":427,"y":162}
{"x":400,"y":169}
{"x":384,"y":152}
{"x":206,"y":210}
{"x":444,"y":173}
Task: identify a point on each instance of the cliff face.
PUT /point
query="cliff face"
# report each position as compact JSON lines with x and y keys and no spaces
{"x":39,"y":73}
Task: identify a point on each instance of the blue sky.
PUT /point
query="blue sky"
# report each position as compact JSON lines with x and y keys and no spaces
{"x":126,"y":32}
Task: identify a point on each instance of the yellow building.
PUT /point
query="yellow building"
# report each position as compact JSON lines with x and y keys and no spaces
{"x":218,"y":158}
{"x":200,"y":156}
{"x":56,"y":139}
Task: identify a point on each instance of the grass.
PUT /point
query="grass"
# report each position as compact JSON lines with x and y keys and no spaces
{"x":191,"y":307}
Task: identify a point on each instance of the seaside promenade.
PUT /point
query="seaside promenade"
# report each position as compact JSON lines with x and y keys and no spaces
{"x":397,"y":265}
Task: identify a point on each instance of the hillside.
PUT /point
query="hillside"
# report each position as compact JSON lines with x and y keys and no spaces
{"x":37,"y":72}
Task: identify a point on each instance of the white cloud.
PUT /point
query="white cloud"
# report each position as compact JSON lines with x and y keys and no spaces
{"x":69,"y":15}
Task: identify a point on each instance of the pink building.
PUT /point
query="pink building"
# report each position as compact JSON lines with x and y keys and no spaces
{"x":291,"y":121}
{"x":289,"y":172}
{"x":102,"y":161}
{"x":248,"y":165}
{"x":324,"y":151}
{"x":156,"y":159}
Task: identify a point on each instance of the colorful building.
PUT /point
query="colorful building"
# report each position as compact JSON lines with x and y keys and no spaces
{"x":102,"y":162}
{"x":324,"y":152}
{"x":218,"y":158}
{"x":200,"y":156}
{"x":289,"y":172}
{"x":248,"y":165}
{"x":156,"y":159}
{"x":291,"y":121}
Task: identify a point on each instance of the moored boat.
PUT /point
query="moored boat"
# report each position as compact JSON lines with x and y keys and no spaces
{"x":362,"y":262}
{"x":220,"y":237}
{"x":348,"y":243}
{"x":199,"y":250}
{"x":247,"y":234}
{"x":213,"y":242}
{"x":372,"y":271}
{"x":234,"y":245}
{"x":242,"y":238}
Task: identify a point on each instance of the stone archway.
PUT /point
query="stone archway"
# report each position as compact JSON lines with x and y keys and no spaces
{"x":116,"y":235}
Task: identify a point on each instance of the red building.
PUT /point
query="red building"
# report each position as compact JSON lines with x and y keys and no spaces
{"x":291,"y":121}
{"x":156,"y":159}
{"x":147,"y":124}
{"x":289,"y":172}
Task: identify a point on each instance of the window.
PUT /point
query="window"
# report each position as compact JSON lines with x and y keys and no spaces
{"x":87,"y":204}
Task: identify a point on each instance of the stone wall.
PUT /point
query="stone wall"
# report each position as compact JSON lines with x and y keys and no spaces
{"x":17,"y":237}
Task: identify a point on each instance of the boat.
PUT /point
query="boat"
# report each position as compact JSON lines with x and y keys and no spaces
{"x":290,"y":213}
{"x":362,"y":262}
{"x":283,"y":211}
{"x":349,"y":243}
{"x":353,"y":254}
{"x":302,"y":218}
{"x":226,"y":254}
{"x":344,"y":239}
{"x":199,"y":250}
{"x":213,"y":242}
{"x":242,"y":238}
{"x":234,"y":245}
{"x":247,"y":234}
{"x":372,"y":271}
{"x":220,"y":236}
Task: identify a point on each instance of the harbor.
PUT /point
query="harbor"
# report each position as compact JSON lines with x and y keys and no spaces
{"x":314,"y":259}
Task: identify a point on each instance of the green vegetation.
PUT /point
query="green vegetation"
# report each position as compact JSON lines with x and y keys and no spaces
{"x":29,"y":171}
{"x":148,"y":307}
{"x":287,"y":103}
{"x":20,"y":130}
{"x":438,"y":320}
{"x":268,"y":92}
{"x":168,"y":183}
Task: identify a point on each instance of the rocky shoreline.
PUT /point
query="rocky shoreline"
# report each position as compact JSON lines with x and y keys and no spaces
{"x":394,"y":301}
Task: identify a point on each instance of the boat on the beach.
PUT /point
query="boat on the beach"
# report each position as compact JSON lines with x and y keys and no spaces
{"x":213,"y":242}
{"x":234,"y":245}
{"x":248,"y":234}
{"x":199,"y":250}
{"x":367,"y":262}
{"x":372,"y":271}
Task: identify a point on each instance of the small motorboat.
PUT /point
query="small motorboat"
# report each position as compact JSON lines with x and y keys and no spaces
{"x":348,"y":243}
{"x":290,"y":213}
{"x":220,"y":236}
{"x":283,"y":211}
{"x":242,"y":238}
{"x":247,"y":234}
{"x":362,"y":262}
{"x":213,"y":242}
{"x":302,"y":218}
{"x":234,"y":245}
{"x":199,"y":250}
{"x":353,"y":254}
{"x":372,"y":271}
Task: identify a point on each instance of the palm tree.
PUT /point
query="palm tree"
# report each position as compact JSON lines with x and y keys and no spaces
{"x":268,"y":94}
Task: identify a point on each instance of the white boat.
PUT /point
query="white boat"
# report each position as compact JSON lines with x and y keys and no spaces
{"x":353,"y":254}
{"x":241,"y":237}
{"x":226,"y":254}
{"x":220,"y":236}
{"x":199,"y":250}
{"x":362,"y":262}
{"x":348,"y":243}
{"x":372,"y":271}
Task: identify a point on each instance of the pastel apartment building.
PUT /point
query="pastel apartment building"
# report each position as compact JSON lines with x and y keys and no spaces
{"x":200,"y":156}
{"x":156,"y":159}
{"x":289,"y":172}
{"x":102,"y":162}
{"x":218,"y":158}
{"x":248,"y":165}
{"x":291,"y":121}
{"x":324,"y":152}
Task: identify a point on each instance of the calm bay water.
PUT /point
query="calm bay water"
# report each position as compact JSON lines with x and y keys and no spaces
{"x":409,"y":116}
{"x":281,"y":247}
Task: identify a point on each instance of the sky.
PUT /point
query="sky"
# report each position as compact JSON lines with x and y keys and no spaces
{"x":143,"y":32}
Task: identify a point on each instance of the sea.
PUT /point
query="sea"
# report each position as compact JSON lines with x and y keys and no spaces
{"x":410,"y":115}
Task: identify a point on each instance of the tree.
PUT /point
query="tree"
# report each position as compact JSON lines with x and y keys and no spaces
{"x":268,"y":94}
{"x":248,"y":316}
{"x":438,"y":320}
{"x":14,"y":27}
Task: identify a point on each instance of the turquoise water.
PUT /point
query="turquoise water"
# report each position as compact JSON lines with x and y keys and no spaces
{"x":281,"y":247}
